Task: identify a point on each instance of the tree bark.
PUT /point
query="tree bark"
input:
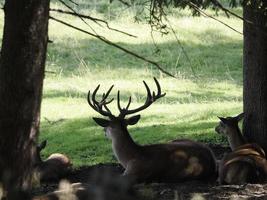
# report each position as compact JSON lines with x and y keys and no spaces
{"x":22,"y":62}
{"x":255,"y":76}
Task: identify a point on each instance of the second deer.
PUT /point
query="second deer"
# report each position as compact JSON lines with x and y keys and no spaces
{"x":53,"y":168}
{"x":171,"y":162}
{"x":247,"y":162}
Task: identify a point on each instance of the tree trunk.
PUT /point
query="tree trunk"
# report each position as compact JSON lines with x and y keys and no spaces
{"x":22,"y":62}
{"x":255,"y":76}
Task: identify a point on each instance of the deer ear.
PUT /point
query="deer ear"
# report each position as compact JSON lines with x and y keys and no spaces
{"x":133,"y":120}
{"x":239,"y":117}
{"x":223,"y":120}
{"x":42,"y":145}
{"x":101,"y":122}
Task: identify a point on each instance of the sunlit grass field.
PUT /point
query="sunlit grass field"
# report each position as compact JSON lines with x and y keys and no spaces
{"x":77,"y":63}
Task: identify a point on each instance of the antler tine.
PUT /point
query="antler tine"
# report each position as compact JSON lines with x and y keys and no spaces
{"x":97,"y":106}
{"x":148,"y":92}
{"x":104,"y":98}
{"x":149,"y":100}
{"x":159,"y":89}
{"x":94,"y":94}
{"x":129,"y":102}
{"x":118,"y":101}
{"x":107,"y":109}
{"x":90,"y":102}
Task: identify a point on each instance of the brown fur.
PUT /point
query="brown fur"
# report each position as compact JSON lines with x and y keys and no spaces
{"x":171,"y":162}
{"x":247,"y":162}
{"x":53,"y":168}
{"x":229,"y":128}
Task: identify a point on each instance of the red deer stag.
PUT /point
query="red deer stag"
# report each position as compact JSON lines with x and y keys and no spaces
{"x":247,"y":162}
{"x":171,"y":162}
{"x":54,"y":167}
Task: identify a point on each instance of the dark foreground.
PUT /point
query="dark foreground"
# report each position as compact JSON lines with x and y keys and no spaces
{"x":105,"y":183}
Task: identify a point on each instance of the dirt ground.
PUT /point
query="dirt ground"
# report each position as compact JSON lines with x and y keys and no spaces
{"x":105,"y":183}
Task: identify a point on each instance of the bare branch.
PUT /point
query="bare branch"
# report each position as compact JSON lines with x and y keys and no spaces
{"x":125,"y":3}
{"x":219,"y":5}
{"x":71,"y":9}
{"x":115,"y":45}
{"x":94,"y":19}
{"x":207,"y":15}
{"x":73,"y":2}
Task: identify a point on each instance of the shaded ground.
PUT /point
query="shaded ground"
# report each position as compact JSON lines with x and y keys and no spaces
{"x":105,"y":178}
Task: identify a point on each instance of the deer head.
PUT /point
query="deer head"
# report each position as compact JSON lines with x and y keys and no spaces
{"x":229,"y":127}
{"x":116,"y":125}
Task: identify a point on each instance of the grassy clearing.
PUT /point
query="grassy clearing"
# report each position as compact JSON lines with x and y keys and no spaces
{"x":190,"y":107}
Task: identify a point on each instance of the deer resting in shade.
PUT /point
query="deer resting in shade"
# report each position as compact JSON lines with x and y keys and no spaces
{"x":54,"y":167}
{"x":246,"y":163}
{"x":170,"y":162}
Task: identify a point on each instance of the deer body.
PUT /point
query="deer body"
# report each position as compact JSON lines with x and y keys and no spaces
{"x":54,"y":167}
{"x":164,"y":162}
{"x":174,"y":162}
{"x":247,"y":162}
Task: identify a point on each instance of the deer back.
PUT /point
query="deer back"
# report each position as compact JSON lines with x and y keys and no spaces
{"x":246,"y":164}
{"x":173,"y":162}
{"x":54,"y":167}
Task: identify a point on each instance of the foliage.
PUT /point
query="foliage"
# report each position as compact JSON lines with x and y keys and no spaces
{"x":158,"y":8}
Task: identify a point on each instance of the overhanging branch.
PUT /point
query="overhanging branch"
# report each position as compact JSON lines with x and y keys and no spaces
{"x":103,"y":39}
{"x":207,"y":15}
{"x":94,"y":19}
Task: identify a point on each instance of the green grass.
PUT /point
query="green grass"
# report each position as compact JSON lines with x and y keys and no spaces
{"x":190,"y":107}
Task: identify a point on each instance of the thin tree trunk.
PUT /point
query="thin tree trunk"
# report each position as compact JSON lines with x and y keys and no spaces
{"x":255,"y":77}
{"x":22,"y":62}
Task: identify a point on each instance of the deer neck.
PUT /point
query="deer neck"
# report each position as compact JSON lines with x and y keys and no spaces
{"x":235,"y":138}
{"x":124,"y":148}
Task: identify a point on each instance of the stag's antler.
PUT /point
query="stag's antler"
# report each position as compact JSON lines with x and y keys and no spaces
{"x":99,"y":106}
{"x":149,"y":100}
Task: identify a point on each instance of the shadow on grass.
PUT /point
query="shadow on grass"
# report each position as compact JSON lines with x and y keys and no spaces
{"x":84,"y":142}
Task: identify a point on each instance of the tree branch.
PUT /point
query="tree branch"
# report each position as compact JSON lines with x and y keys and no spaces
{"x":82,"y":17}
{"x":125,"y":3}
{"x":73,"y":2}
{"x":94,"y":19}
{"x":219,"y":5}
{"x":115,"y":45}
{"x":207,"y":15}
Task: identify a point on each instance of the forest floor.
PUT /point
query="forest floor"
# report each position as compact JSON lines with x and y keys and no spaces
{"x":105,"y":183}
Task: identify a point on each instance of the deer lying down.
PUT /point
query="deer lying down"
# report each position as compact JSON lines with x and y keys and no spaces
{"x":247,"y":163}
{"x":54,"y":167}
{"x":171,"y":162}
